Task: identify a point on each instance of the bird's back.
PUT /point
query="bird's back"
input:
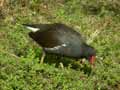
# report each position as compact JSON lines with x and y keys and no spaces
{"x":59,"y":39}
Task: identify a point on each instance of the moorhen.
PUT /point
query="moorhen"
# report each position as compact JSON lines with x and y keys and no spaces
{"x":62,"y":40}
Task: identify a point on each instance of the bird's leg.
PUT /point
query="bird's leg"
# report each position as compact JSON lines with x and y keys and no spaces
{"x":61,"y":64}
{"x":43,"y":57}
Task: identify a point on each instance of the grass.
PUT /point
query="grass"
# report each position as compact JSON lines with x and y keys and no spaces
{"x":98,"y":22}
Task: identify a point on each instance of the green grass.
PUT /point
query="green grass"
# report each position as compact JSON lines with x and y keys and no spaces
{"x":19,"y":55}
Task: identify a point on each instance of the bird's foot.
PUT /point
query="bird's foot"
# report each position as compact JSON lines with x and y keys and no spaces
{"x":61,"y":65}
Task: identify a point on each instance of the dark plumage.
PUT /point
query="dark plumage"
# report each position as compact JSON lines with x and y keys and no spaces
{"x":62,"y":40}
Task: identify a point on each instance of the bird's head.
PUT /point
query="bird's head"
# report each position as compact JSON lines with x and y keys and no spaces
{"x":90,"y":54}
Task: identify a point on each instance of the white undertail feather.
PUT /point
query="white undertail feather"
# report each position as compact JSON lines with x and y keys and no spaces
{"x":32,"y":28}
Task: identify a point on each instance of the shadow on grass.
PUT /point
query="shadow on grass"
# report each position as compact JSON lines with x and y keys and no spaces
{"x":56,"y":60}
{"x":68,"y":62}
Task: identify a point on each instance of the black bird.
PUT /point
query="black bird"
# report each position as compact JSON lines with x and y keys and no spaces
{"x":62,"y":40}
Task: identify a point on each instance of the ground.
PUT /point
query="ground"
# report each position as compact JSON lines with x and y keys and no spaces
{"x":97,"y":21}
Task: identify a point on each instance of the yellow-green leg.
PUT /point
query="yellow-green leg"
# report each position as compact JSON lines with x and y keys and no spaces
{"x":43,"y":57}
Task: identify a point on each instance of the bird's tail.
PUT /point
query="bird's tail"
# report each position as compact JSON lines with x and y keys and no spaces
{"x":32,"y":27}
{"x":37,"y":27}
